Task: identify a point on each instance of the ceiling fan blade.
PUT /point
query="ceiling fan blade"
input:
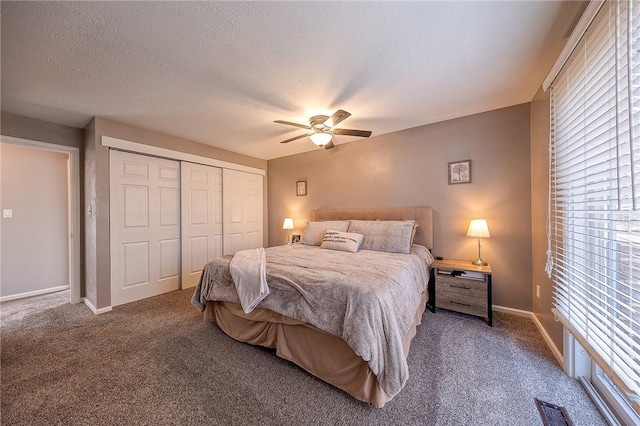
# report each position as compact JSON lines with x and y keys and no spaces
{"x":337,"y":117}
{"x":297,"y":137}
{"x":329,"y":145}
{"x":349,"y":132}
{"x":288,"y":123}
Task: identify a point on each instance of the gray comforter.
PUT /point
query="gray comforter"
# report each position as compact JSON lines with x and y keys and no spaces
{"x":368,"y":298}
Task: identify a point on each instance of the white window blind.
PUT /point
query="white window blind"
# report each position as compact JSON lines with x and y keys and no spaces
{"x":594,"y":202}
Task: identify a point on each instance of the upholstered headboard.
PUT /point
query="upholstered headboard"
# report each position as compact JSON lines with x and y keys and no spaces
{"x":422,"y":215}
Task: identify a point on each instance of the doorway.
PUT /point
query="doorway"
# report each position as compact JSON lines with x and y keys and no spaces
{"x":37,"y":215}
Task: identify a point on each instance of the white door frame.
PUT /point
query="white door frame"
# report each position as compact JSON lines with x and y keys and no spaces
{"x":73,"y":182}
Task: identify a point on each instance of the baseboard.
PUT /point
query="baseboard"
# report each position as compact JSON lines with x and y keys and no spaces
{"x":556,"y":353}
{"x":95,"y":310}
{"x":512,"y":311}
{"x":33,"y":293}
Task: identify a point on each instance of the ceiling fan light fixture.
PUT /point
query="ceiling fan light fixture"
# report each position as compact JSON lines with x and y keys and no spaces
{"x":321,"y":138}
{"x":322,"y":130}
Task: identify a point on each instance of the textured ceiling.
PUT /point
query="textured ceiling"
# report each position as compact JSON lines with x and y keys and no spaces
{"x":220,"y":73}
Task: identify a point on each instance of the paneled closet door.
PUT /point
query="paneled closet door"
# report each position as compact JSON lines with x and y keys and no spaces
{"x":201,"y":219}
{"x":145,"y":226}
{"x":242,"y":207}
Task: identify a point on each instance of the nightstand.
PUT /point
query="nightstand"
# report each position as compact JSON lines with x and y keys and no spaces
{"x":463,"y":287}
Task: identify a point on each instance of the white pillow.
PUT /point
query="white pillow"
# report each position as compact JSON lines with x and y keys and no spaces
{"x":343,"y":241}
{"x":393,"y":236}
{"x":315,"y":230}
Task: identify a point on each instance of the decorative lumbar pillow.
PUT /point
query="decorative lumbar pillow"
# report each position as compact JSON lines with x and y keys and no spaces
{"x":393,"y":236}
{"x":315,"y":230}
{"x":343,"y":241}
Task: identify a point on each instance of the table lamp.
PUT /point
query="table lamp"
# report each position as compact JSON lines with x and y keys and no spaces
{"x":288,"y":225}
{"x":478,"y":228}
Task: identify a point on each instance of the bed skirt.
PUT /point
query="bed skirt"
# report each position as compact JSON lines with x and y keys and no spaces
{"x":324,"y":355}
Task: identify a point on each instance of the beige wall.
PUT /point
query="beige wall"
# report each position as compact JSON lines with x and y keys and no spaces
{"x":35,"y":241}
{"x":98,"y":289}
{"x":118,"y":130}
{"x":539,"y":202}
{"x":409,"y":168}
{"x":38,"y":130}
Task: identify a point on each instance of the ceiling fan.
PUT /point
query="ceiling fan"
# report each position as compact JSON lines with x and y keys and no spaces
{"x":323,"y":129}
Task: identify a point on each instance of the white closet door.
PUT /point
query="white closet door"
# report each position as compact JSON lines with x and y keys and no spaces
{"x":242,"y":206}
{"x":201,"y":219}
{"x":145,"y":226}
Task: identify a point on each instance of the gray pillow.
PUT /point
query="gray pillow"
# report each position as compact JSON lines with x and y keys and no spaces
{"x":315,"y":230}
{"x":392,"y":236}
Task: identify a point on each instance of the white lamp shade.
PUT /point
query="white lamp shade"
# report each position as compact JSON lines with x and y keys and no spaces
{"x":288,"y":223}
{"x":321,"y":139}
{"x":478,"y":228}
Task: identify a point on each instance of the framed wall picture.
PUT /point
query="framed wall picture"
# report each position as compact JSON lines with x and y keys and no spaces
{"x":301,"y":187}
{"x":460,"y":172}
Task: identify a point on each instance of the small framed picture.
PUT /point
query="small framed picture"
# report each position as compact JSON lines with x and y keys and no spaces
{"x":460,"y":172}
{"x":301,"y":187}
{"x":295,"y":238}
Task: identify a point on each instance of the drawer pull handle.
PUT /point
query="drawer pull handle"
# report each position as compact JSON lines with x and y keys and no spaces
{"x":461,"y":286}
{"x":458,"y":303}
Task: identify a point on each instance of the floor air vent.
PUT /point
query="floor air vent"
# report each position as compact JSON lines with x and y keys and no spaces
{"x":553,"y":415}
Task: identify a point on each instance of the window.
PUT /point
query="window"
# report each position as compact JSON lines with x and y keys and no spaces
{"x":594,"y":202}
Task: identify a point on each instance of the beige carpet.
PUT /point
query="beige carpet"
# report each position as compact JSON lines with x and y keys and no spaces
{"x":156,"y":362}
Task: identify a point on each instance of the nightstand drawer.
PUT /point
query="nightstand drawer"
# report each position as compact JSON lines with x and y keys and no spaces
{"x":462,"y":295}
{"x":458,"y":304}
{"x":462,"y":286}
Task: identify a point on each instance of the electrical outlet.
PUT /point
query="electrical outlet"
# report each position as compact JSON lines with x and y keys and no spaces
{"x":7,"y":214}
{"x":538,"y":291}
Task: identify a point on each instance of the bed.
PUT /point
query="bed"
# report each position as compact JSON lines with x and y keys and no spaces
{"x":353,"y":333}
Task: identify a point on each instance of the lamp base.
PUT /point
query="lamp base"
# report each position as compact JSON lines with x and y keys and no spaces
{"x":479,"y":262}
